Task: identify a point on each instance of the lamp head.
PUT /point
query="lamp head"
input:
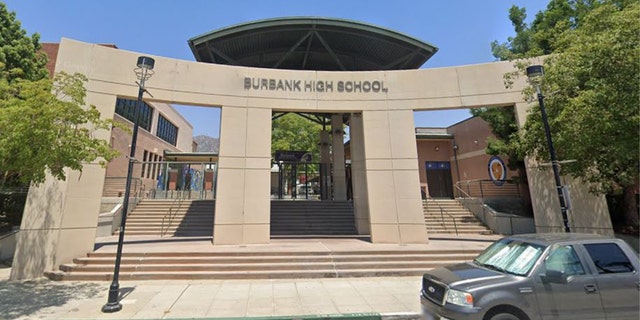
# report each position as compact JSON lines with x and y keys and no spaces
{"x":535,"y":73}
{"x":145,"y":63}
{"x":144,"y":68}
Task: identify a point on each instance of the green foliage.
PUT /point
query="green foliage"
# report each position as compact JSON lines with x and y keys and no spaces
{"x":295,"y":133}
{"x":594,"y":86}
{"x":541,"y":37}
{"x":20,"y":57}
{"x":45,"y":126}
{"x":502,"y":122}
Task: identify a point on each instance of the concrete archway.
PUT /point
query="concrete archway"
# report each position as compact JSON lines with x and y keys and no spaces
{"x":61,"y":216}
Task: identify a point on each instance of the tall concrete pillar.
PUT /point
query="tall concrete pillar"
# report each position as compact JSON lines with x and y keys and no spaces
{"x":588,"y":212}
{"x":393,"y":182}
{"x":242,"y":213}
{"x":60,"y":217}
{"x":337,"y":156}
{"x":359,"y":174}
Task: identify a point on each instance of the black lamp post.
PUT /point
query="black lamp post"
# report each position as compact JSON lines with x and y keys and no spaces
{"x":535,"y":74}
{"x":143,"y":71}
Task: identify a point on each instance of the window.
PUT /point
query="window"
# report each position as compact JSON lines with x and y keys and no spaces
{"x":167,"y":131}
{"x":564,"y":259}
{"x":510,"y":256}
{"x":144,"y":163}
{"x":127,"y":109}
{"x":609,"y":258}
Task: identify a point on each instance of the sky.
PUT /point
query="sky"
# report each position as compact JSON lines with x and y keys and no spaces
{"x":461,"y":29}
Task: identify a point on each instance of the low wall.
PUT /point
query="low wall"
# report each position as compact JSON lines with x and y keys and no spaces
{"x":499,"y":222}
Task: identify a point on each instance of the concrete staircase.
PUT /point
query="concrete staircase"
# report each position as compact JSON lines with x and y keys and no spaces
{"x":181,"y":259}
{"x":113,"y":187}
{"x":312,"y":218}
{"x":259,"y":265}
{"x":448,"y":216}
{"x":191,"y":218}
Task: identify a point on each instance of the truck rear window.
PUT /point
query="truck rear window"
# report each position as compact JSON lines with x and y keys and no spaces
{"x":609,"y":258}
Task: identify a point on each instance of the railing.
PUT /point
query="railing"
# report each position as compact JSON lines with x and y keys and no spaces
{"x":168,"y":217}
{"x":115,"y":187}
{"x":487,"y":189}
{"x":498,"y":222}
{"x":442,"y":213}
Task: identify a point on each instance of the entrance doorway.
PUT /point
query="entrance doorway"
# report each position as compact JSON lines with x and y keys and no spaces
{"x":439,"y":179}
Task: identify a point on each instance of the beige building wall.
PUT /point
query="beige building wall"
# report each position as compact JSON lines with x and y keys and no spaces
{"x":61,"y":217}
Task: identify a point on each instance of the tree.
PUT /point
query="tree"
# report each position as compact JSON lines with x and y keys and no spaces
{"x":20,"y":55}
{"x":295,"y":133}
{"x":593,"y":108}
{"x":45,"y":126}
{"x":591,"y":87}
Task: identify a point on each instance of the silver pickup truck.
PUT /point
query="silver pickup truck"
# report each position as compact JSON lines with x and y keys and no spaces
{"x":538,"y":276}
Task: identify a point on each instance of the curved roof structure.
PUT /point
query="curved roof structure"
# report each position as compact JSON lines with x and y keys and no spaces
{"x":302,"y":43}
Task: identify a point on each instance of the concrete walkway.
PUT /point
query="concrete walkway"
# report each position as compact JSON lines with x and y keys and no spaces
{"x":356,"y":298}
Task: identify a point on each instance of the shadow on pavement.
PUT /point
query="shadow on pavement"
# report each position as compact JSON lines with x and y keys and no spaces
{"x":24,"y":298}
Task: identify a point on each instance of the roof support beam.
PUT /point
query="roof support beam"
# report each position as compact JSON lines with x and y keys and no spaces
{"x":277,"y":116}
{"x":331,"y":53}
{"x":293,"y":48}
{"x":224,"y":56}
{"x":401,"y":61}
{"x":306,"y":116}
{"x":212,"y":58}
{"x":306,"y":52}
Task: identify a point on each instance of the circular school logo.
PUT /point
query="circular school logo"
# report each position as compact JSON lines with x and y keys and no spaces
{"x":497,"y":170}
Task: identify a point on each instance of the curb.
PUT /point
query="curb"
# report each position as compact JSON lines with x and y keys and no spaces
{"x":345,"y":316}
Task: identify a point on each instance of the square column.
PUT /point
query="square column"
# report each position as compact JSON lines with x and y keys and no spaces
{"x":588,"y":212}
{"x":392,"y":177}
{"x":242,"y":213}
{"x":337,"y":154}
{"x":60,"y":218}
{"x":359,"y":175}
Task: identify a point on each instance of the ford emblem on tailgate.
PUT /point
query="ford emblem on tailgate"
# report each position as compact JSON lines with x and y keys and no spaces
{"x":431,"y":289}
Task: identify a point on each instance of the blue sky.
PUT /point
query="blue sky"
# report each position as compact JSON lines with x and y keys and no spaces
{"x":462,"y":29}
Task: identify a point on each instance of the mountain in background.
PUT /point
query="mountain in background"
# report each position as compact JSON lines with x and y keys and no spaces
{"x":207,"y":144}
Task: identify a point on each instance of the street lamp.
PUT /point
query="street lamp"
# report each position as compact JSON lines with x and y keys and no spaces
{"x":144,"y":71}
{"x":535,"y":74}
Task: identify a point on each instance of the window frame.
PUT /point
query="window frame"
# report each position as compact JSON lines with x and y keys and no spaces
{"x":596,"y":266}
{"x":167,"y":130}
{"x":126,"y":108}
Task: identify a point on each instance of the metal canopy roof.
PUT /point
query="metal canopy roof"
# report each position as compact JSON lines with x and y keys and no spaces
{"x":302,"y":43}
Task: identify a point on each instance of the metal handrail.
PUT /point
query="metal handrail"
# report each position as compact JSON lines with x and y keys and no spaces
{"x":170,"y":215}
{"x":442,"y":213}
{"x":468,"y":196}
{"x":488,"y":188}
{"x":493,"y":213}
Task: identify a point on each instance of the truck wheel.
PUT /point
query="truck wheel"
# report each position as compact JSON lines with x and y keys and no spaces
{"x":504,"y":316}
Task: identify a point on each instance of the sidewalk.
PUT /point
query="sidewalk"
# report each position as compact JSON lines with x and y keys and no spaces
{"x":346,"y":298}
{"x":44,"y":299}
